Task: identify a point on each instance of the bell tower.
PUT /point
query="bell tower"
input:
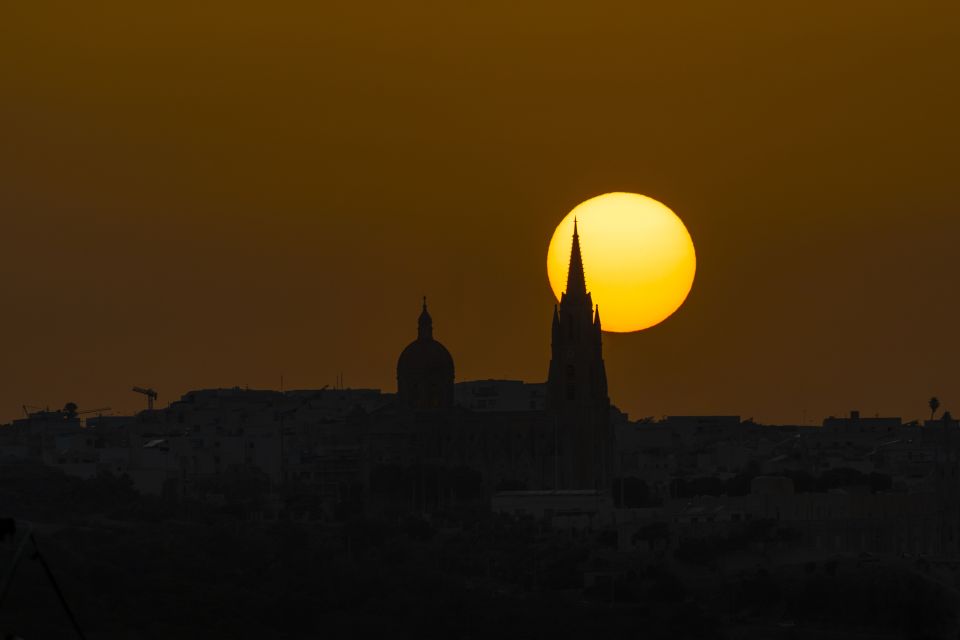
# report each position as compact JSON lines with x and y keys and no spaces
{"x":577,"y":398}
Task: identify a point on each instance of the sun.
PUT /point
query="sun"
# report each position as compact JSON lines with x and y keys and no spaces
{"x":638,"y":258}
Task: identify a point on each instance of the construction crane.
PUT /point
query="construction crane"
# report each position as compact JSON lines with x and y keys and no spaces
{"x":27,"y":407}
{"x":150,"y":393}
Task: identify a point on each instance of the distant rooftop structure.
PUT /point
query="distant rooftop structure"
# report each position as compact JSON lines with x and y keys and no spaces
{"x":856,"y":420}
{"x":501,"y":395}
{"x":945,"y":420}
{"x":241,"y":394}
{"x":724,"y":421}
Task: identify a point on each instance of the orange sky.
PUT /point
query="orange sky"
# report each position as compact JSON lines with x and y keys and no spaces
{"x":219,"y":193}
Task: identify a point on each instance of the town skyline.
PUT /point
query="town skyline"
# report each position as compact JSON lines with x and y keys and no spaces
{"x":801,"y":510}
{"x":193,"y":201}
{"x":339,"y":382}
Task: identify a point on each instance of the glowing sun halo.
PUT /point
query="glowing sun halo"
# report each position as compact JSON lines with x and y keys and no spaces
{"x":638,"y":259}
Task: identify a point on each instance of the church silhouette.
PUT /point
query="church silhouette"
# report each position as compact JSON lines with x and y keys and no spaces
{"x":568,"y":444}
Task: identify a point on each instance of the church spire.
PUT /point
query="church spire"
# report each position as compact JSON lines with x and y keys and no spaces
{"x":425,"y":323}
{"x":577,"y":386}
{"x":576,"y":283}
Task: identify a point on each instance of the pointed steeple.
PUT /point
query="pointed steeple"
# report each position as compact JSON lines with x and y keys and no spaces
{"x":425,"y":323}
{"x":576,"y":283}
{"x":577,"y":385}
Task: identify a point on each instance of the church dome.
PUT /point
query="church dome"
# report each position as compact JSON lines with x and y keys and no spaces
{"x":425,"y":369}
{"x":425,"y":356}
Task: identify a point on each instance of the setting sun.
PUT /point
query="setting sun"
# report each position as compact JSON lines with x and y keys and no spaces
{"x":638,"y":258}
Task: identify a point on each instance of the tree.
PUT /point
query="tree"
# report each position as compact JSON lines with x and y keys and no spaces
{"x":934,"y":405}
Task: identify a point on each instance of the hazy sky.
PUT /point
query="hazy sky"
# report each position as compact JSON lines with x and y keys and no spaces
{"x":215,"y":193}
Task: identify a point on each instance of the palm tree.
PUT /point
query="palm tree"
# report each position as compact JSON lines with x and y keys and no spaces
{"x":934,"y":405}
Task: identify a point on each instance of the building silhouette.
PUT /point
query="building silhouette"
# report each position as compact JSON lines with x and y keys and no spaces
{"x":425,"y":370}
{"x":556,"y":450}
{"x":577,"y":399}
{"x":550,"y":473}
